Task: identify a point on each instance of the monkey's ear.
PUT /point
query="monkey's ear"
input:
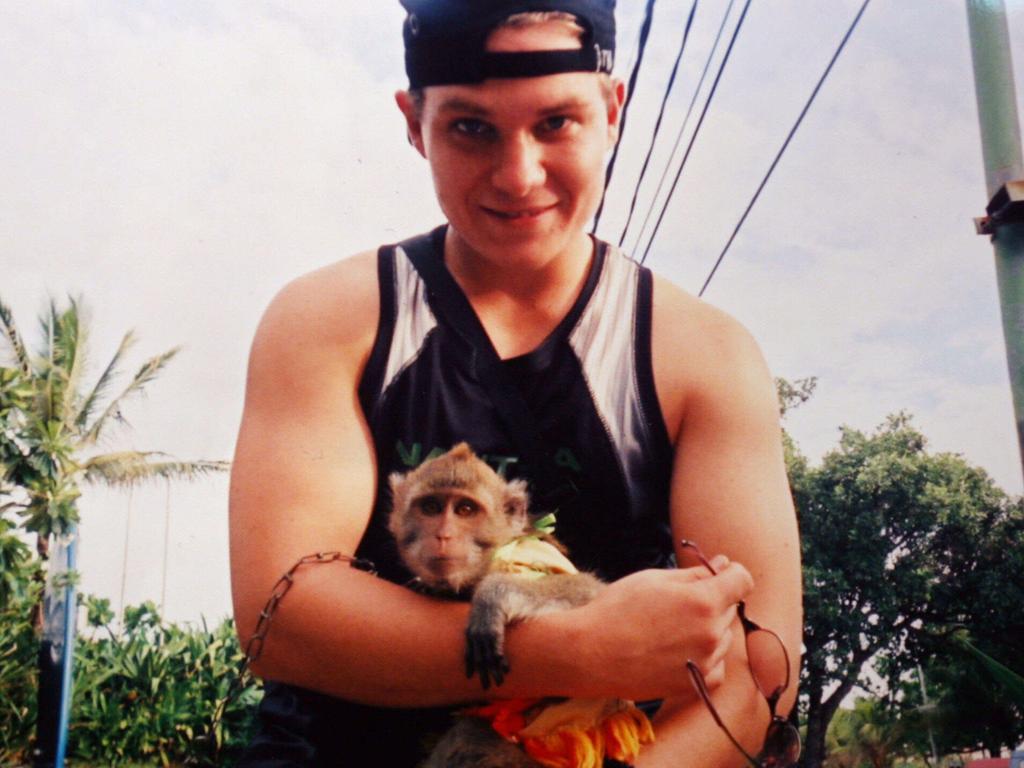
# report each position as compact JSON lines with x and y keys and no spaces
{"x":397,"y":482}
{"x":517,"y":499}
{"x":394,"y":480}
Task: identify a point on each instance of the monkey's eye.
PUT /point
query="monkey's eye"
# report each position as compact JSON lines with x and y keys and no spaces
{"x":466,"y":508}
{"x":430,"y":505}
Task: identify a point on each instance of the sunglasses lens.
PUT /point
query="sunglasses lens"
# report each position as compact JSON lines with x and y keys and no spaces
{"x":768,"y":662}
{"x":781,"y":745}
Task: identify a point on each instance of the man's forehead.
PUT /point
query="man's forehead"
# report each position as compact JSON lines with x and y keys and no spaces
{"x":474,"y":101}
{"x":568,"y":92}
{"x":548,"y":35}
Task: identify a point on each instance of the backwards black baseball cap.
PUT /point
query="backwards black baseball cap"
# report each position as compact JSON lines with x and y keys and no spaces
{"x":446,"y":40}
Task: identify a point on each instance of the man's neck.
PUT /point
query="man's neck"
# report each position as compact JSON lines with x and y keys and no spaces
{"x":517,"y":305}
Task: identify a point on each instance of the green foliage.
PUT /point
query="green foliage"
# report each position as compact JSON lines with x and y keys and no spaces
{"x":14,"y":560}
{"x":793,"y":394}
{"x":143,"y":695}
{"x":52,"y":422}
{"x":149,"y":692}
{"x":870,"y":734}
{"x":898,"y":546}
{"x":18,"y":649}
{"x":975,"y":701}
{"x":51,"y":426}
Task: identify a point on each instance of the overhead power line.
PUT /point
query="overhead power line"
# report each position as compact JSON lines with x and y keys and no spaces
{"x":682,"y":129}
{"x":657,"y":124}
{"x":696,"y":130}
{"x":775,"y":162}
{"x":645,"y":31}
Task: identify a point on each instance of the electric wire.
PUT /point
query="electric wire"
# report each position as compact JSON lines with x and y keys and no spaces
{"x":645,"y":31}
{"x":682,"y":128}
{"x":657,"y":123}
{"x":796,"y":125}
{"x":696,"y":130}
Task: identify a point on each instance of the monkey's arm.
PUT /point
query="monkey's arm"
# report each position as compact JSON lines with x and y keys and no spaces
{"x":501,"y":599}
{"x":729,"y":495}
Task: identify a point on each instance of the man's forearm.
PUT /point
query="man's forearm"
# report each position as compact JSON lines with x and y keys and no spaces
{"x":686,"y":735}
{"x":352,"y":635}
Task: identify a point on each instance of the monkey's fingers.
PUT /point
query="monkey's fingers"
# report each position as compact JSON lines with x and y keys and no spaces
{"x":499,"y":669}
{"x":484,"y":657}
{"x":474,"y":657}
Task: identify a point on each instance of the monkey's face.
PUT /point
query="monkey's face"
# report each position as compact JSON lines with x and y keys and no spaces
{"x":450,"y":514}
{"x":450,"y":536}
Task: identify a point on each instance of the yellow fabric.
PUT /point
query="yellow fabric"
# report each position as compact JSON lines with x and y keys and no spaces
{"x":530,"y":555}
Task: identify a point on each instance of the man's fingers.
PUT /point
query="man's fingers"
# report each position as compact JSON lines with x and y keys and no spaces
{"x":718,"y":562}
{"x":733,"y":583}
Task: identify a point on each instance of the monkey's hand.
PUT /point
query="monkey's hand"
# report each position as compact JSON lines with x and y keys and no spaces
{"x":503,"y":598}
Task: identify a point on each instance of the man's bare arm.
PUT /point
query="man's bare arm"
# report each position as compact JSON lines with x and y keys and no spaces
{"x":730,"y":495}
{"x":303,"y":481}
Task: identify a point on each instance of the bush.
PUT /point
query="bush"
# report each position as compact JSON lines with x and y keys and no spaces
{"x":143,"y":695}
{"x":18,"y":650}
{"x":150,"y":692}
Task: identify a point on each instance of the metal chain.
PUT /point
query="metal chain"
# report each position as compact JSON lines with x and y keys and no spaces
{"x":254,"y":646}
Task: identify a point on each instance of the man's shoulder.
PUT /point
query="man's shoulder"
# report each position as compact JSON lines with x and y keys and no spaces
{"x":699,"y":352}
{"x":327,"y":316}
{"x":709,"y":334}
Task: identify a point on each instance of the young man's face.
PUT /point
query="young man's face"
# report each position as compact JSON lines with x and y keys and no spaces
{"x":518,"y":164}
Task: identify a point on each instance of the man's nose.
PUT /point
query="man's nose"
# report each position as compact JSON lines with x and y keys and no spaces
{"x":519,"y":166}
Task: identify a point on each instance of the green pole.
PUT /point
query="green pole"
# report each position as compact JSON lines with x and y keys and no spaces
{"x":1001,"y":148}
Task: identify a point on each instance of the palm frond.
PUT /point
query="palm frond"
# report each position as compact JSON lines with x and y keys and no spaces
{"x":14,"y":339}
{"x":149,"y":371}
{"x":48,"y":362}
{"x":102,"y":384}
{"x":129,"y":468}
{"x":71,"y":342}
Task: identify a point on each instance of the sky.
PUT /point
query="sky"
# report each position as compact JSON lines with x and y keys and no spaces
{"x":176,"y":163}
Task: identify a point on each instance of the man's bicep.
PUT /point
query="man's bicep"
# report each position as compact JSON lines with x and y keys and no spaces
{"x":303,"y":478}
{"x":730,"y":493}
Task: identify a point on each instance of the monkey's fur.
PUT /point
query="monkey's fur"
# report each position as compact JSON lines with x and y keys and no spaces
{"x":448,"y":517}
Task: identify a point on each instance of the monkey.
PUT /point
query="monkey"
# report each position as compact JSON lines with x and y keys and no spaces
{"x":466,"y":533}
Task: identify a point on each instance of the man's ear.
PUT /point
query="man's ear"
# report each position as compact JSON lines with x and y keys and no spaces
{"x":413,"y":123}
{"x":616,"y":98}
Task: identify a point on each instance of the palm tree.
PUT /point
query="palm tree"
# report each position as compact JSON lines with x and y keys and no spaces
{"x":54,"y":425}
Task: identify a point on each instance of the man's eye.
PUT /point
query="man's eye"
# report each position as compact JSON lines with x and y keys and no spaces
{"x":555,"y":124}
{"x":468,"y":126}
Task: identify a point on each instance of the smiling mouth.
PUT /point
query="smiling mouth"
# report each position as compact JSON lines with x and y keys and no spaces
{"x":523,"y":213}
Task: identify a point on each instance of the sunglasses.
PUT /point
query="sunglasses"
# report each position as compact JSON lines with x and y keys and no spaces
{"x":771,"y":677}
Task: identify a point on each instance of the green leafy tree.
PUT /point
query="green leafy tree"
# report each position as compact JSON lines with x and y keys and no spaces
{"x":880,"y":519}
{"x":871,"y":734}
{"x":53,"y":442}
{"x":56,"y":424}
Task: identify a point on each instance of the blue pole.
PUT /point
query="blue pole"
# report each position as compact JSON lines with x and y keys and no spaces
{"x":67,"y":663}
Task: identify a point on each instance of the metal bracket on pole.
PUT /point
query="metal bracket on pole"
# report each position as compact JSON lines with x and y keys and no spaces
{"x":1006,"y":207}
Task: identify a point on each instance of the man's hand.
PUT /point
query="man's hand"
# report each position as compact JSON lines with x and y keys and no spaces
{"x":639,"y":632}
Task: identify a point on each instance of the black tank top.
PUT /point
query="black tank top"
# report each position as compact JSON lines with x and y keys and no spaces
{"x":590,"y":387}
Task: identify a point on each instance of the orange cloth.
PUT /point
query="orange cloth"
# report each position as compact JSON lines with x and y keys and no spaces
{"x":573,"y":733}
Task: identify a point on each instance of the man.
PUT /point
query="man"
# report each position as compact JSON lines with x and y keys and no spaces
{"x":655,"y":411}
